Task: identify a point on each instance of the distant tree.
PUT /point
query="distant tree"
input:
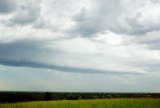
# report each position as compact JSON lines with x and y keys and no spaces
{"x":47,"y":96}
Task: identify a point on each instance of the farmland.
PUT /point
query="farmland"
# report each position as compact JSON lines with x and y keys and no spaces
{"x":91,"y":103}
{"x":78,"y":100}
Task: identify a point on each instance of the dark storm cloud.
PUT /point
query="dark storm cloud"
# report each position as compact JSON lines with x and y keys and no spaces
{"x":7,"y":6}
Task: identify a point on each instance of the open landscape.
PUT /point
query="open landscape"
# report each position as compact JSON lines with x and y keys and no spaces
{"x":79,"y":53}
{"x":78,"y":100}
{"x":91,"y":103}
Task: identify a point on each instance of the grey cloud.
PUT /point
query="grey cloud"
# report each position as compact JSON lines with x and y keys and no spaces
{"x":40,"y":23}
{"x":92,"y":21}
{"x":151,"y":40}
{"x":27,"y":53}
{"x":26,"y":14}
{"x":122,"y":22}
{"x":155,"y":1}
{"x":110,"y":15}
{"x":113,"y":15}
{"x":63,"y":68}
{"x":152,"y":45}
{"x":20,"y":50}
{"x":7,"y":6}
{"x":87,"y":25}
{"x":38,"y":65}
{"x":136,"y":23}
{"x":58,"y":49}
{"x":137,"y":28}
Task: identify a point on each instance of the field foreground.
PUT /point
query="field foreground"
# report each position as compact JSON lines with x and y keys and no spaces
{"x":93,"y":103}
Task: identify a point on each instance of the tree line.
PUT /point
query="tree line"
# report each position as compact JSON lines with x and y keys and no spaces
{"x":42,"y":96}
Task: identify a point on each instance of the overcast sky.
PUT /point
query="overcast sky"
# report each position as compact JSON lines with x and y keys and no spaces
{"x":80,"y":45}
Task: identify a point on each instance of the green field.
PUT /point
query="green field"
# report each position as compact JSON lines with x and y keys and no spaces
{"x":95,"y":103}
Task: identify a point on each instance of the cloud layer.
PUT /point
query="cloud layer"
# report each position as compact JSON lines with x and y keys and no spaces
{"x":112,"y":37}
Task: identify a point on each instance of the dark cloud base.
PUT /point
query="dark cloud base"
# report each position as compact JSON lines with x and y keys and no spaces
{"x":63,"y":68}
{"x":7,"y":6}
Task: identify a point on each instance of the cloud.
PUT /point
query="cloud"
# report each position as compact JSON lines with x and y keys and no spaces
{"x":150,"y":40}
{"x":64,"y":69}
{"x":88,"y":25}
{"x":88,"y":18}
{"x":7,"y":6}
{"x":143,"y":19}
{"x":27,"y":13}
{"x":31,"y":79}
{"x":116,"y":16}
{"x":108,"y":36}
{"x":63,"y":42}
{"x":34,"y":54}
{"x":74,"y":56}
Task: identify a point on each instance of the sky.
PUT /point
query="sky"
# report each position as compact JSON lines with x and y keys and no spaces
{"x":80,"y":45}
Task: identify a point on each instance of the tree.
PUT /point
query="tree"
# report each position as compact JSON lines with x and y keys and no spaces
{"x":47,"y":96}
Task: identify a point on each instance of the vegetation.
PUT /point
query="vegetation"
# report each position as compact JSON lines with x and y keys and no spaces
{"x":41,"y":96}
{"x":94,"y":103}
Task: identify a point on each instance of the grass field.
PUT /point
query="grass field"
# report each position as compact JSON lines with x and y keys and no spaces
{"x":96,"y":103}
